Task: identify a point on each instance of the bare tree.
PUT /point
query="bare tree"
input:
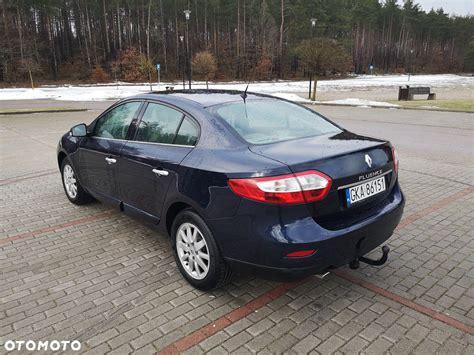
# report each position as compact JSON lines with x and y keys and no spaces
{"x":204,"y":64}
{"x":29,"y":66}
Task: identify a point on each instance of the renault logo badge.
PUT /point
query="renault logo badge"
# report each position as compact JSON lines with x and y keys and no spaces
{"x":368,"y":160}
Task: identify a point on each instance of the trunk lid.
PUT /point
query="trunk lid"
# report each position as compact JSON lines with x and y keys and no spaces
{"x":343,"y":157}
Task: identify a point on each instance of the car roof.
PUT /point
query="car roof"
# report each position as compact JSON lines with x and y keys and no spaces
{"x":204,"y":98}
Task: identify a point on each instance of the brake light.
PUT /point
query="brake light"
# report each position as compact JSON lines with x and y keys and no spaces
{"x":308,"y":186}
{"x":301,"y":253}
{"x":395,"y":159}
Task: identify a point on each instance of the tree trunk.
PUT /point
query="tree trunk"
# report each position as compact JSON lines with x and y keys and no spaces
{"x":84,"y":32}
{"x":215,"y":37}
{"x":139,"y":30}
{"x":106,"y":29}
{"x":119,"y":28}
{"x":245,"y":42}
{"x":197,"y":20}
{"x":238,"y":40}
{"x":129,"y":27}
{"x":176,"y":35}
{"x":7,"y":35}
{"x":282,"y":29}
{"x":206,"y":32}
{"x":31,"y":79}
{"x":163,"y":37}
{"x":94,"y":47}
{"x":148,"y":32}
{"x":20,"y":34}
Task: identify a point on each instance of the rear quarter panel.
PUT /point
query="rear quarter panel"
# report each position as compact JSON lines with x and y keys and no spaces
{"x":203,"y":174}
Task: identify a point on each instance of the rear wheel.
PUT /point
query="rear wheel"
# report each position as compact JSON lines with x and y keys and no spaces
{"x":196,"y":252}
{"x":74,"y":191}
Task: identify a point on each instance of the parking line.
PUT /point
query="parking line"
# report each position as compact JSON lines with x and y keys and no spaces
{"x":21,"y":178}
{"x":188,"y":341}
{"x":406,"y":302}
{"x":436,"y":206}
{"x":34,"y":234}
{"x":223,"y":322}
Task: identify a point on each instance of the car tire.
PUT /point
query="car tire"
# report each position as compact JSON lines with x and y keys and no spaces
{"x":73,"y":189}
{"x":195,"y":249}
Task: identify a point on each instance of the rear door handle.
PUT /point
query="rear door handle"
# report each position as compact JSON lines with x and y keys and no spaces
{"x":161,"y":172}
{"x":110,"y":161}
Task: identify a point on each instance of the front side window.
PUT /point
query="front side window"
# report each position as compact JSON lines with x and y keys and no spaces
{"x":115,"y":123}
{"x":264,"y":121}
{"x":159,"y":124}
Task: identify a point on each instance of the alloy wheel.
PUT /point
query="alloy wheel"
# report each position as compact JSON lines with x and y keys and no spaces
{"x":70,"y":181}
{"x":192,"y":250}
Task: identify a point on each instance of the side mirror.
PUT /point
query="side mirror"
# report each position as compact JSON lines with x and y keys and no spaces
{"x":79,"y":130}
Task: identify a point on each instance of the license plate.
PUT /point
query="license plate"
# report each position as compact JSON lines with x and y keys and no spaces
{"x":365,"y":190}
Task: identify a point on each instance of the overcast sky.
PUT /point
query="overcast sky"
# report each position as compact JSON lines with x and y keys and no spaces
{"x":457,"y":7}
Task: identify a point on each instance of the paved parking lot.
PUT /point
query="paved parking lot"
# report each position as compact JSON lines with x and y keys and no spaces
{"x":92,"y":274}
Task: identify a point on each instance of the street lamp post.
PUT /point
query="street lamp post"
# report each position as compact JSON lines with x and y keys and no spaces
{"x":181,"y":39}
{"x":312,"y":94}
{"x":410,"y":64}
{"x":187,"y":15}
{"x":313,"y":25}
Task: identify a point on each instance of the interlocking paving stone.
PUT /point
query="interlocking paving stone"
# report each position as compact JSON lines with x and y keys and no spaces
{"x":111,"y":281}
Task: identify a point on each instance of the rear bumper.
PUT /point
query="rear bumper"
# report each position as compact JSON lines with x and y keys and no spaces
{"x":266,"y":258}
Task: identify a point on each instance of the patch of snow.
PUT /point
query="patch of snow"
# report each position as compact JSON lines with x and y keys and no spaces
{"x":428,"y":106}
{"x":292,"y":97}
{"x":24,"y":94}
{"x":361,"y":103}
{"x":281,"y":88}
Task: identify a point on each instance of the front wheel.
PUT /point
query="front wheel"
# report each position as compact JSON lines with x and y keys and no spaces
{"x":74,"y":191}
{"x":196,"y":252}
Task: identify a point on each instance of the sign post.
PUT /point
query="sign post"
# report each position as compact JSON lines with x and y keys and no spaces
{"x":371,"y":68}
{"x":158,"y":69}
{"x":313,"y":93}
{"x":310,"y":79}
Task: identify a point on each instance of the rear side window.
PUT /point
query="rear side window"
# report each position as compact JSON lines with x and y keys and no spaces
{"x":115,"y":123}
{"x":159,"y":124}
{"x":264,"y":121}
{"x":187,"y":134}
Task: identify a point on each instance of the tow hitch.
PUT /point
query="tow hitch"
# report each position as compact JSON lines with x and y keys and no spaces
{"x":355,"y":263}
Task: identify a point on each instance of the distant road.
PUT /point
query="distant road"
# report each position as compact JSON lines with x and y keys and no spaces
{"x":446,"y":137}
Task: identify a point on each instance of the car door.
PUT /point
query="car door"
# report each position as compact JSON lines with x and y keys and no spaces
{"x":149,"y":162}
{"x":98,"y":153}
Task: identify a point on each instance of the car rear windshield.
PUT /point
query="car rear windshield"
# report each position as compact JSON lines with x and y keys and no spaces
{"x":263,"y":121}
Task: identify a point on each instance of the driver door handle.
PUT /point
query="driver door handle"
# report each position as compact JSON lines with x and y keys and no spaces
{"x":161,"y":172}
{"x":110,"y":161}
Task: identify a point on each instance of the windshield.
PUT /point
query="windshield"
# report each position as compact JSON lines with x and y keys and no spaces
{"x":272,"y":120}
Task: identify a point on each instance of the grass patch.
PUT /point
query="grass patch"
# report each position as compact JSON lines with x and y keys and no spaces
{"x":38,"y":110}
{"x":464,"y":105}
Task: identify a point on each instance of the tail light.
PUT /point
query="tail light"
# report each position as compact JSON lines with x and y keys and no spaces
{"x":395,"y":159}
{"x":308,"y":186}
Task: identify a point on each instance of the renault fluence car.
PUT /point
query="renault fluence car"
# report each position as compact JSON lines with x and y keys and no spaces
{"x":241,"y":182}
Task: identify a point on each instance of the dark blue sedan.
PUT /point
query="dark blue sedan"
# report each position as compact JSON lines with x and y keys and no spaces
{"x":240,"y":182}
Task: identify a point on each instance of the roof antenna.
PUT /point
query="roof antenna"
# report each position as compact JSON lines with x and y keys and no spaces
{"x":244,"y":94}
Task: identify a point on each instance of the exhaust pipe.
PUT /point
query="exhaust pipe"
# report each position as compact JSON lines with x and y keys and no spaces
{"x":322,"y":276}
